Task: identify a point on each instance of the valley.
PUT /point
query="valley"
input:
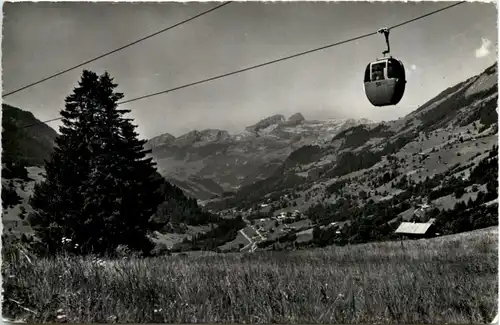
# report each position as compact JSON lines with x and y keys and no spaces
{"x":250,"y":162}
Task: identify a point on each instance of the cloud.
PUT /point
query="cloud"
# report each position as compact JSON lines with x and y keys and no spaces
{"x":412,"y":69}
{"x":485,"y":48}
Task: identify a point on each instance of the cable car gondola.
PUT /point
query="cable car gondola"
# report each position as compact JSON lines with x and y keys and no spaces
{"x":385,"y":79}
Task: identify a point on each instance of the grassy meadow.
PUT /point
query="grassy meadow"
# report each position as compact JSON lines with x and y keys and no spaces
{"x":452,"y":279}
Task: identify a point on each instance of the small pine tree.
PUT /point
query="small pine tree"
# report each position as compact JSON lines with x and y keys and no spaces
{"x":99,"y":190}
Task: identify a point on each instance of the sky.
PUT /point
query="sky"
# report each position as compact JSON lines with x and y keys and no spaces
{"x":42,"y":38}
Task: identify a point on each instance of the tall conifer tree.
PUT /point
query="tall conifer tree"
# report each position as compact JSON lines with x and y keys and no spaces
{"x":100,"y":189}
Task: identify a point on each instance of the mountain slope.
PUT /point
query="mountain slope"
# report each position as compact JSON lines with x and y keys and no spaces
{"x":211,"y":162}
{"x":32,"y":144}
{"x":376,"y":173}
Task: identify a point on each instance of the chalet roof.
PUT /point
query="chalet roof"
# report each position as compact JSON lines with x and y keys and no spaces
{"x":416,"y":228}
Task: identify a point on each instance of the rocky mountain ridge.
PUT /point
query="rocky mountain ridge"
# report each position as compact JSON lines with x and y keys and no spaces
{"x":210,"y":162}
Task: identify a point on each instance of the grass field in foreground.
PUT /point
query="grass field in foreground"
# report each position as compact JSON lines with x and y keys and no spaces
{"x":445,"y":280}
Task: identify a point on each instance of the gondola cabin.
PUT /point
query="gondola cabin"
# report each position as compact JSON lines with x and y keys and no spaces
{"x":385,"y":82}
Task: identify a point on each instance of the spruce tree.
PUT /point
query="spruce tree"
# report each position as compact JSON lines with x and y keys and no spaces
{"x":100,"y":190}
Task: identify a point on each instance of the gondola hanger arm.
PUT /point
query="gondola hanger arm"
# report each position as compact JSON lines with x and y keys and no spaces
{"x":386,"y":32}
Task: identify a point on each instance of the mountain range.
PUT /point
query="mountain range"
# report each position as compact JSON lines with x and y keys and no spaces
{"x":211,"y":162}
